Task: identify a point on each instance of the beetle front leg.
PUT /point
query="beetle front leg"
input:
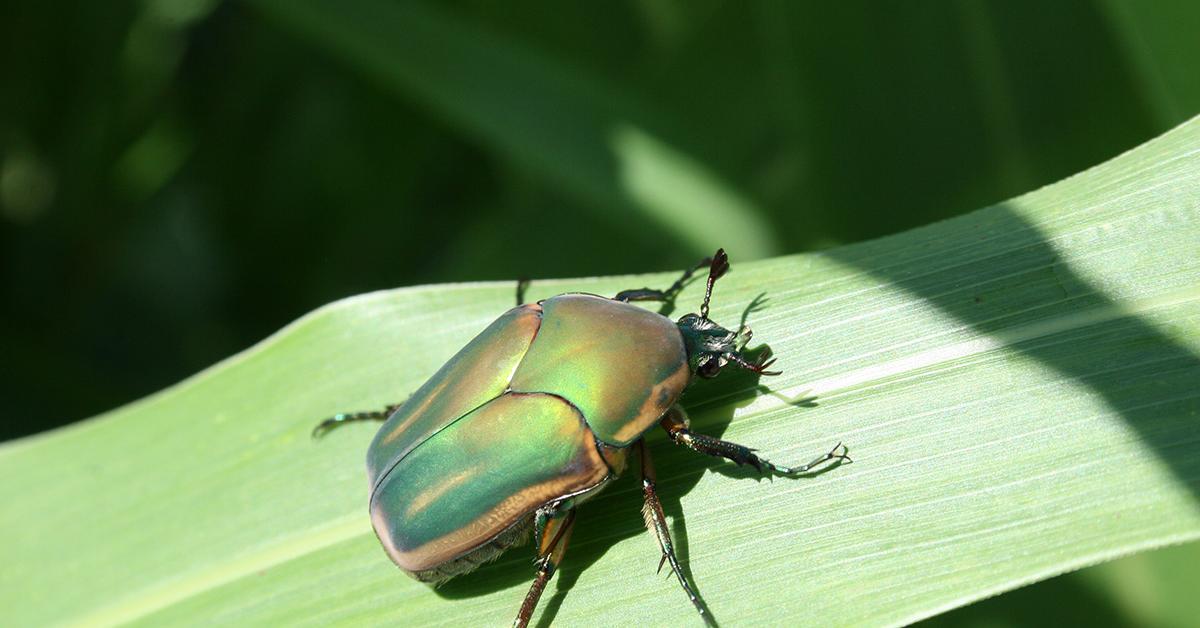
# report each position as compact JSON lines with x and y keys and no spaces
{"x":650,"y":294}
{"x":553,"y":534}
{"x":522,"y":285}
{"x":352,"y":417}
{"x":656,"y":521}
{"x":675,"y":422}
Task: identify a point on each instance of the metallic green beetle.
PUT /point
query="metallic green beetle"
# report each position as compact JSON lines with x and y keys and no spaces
{"x":536,"y":415}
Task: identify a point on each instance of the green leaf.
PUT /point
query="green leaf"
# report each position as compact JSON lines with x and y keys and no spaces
{"x":1154,"y":588}
{"x":1017,"y":386}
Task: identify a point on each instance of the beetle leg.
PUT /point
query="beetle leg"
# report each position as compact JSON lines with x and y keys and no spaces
{"x":676,"y":424}
{"x":548,"y":514}
{"x":760,"y":367}
{"x":657,"y":522}
{"x":350,"y":417}
{"x":552,"y":544}
{"x":650,"y":294}
{"x":522,"y":284}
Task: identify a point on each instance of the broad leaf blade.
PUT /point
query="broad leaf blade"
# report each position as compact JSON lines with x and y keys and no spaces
{"x":589,"y":138}
{"x":1017,"y":387}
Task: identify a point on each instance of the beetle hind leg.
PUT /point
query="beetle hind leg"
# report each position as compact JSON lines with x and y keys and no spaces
{"x":352,"y":417}
{"x":676,"y":424}
{"x":552,"y":540}
{"x":656,"y":521}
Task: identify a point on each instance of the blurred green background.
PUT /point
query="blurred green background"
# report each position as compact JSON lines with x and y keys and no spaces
{"x":180,"y":178}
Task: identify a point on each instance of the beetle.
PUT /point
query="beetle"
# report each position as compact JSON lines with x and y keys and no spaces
{"x":537,"y":414}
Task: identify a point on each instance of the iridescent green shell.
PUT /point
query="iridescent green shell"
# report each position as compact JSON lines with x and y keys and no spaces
{"x":621,"y":365}
{"x":479,"y":477}
{"x":478,"y":373}
{"x":517,"y":420}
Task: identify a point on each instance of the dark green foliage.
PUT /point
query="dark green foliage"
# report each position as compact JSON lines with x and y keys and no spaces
{"x":180,"y":179}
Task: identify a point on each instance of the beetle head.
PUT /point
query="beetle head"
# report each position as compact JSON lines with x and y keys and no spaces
{"x":709,"y":346}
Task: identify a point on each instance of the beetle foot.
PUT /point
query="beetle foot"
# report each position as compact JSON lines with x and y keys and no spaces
{"x":350,"y":417}
{"x":832,"y":457}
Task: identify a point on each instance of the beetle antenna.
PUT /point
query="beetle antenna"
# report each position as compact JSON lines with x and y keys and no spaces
{"x":718,"y":267}
{"x":756,"y":367}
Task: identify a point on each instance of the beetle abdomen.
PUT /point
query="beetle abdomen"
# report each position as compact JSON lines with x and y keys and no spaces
{"x":480,"y":476}
{"x":621,"y":365}
{"x":516,"y":534}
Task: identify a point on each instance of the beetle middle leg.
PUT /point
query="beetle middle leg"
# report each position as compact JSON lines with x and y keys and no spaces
{"x":552,"y":544}
{"x":657,"y":522}
{"x":675,"y":422}
{"x":522,"y":285}
{"x":650,"y":294}
{"x":353,"y":417}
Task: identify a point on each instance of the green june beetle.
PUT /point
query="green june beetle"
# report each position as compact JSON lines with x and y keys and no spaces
{"x":537,"y":414}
